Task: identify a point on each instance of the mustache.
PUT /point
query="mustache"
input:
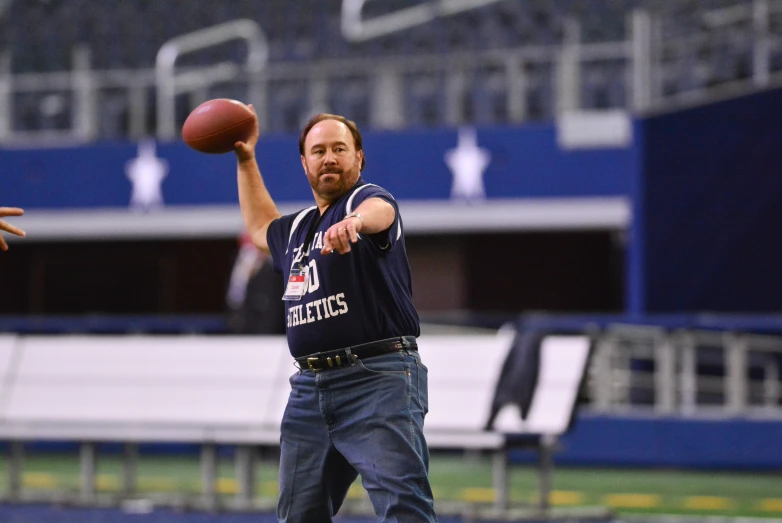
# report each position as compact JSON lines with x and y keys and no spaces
{"x":331,"y":170}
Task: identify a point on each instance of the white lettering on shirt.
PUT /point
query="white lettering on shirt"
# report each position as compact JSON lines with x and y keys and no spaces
{"x":298,"y":316}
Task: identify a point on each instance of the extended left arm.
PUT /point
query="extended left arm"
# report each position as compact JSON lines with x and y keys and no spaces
{"x":372,"y":216}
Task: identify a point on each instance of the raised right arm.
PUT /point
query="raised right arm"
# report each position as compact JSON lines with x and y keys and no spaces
{"x":258,"y":207}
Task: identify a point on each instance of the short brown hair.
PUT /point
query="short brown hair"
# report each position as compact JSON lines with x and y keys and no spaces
{"x":351,"y":125}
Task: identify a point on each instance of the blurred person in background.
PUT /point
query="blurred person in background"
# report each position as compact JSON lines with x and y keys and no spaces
{"x":7,"y":227}
{"x":254,"y":297}
{"x":357,"y":404}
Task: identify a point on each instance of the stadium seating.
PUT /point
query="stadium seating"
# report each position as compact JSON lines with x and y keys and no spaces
{"x":126,"y":35}
{"x":40,"y":36}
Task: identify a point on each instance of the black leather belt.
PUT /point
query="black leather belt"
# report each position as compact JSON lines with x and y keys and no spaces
{"x":350,"y":355}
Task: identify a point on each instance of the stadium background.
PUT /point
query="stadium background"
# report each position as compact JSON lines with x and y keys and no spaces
{"x":661,"y":214}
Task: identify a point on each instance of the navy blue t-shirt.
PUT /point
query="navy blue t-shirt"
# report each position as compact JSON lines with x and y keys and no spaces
{"x":358,"y":297}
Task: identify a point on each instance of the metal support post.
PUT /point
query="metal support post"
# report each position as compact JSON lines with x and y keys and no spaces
{"x":129,"y":469}
{"x":735,"y":347}
{"x":664,"y":374}
{"x":85,"y":118}
{"x":245,"y":475}
{"x":771,"y":385}
{"x":761,"y":51}
{"x":569,"y":69}
{"x":547,"y":443}
{"x":641,"y":31}
{"x":318,"y":93}
{"x":517,"y":89}
{"x":455,"y":87}
{"x":137,"y":110}
{"x":15,"y":470}
{"x":688,"y":377}
{"x":501,"y":479}
{"x":6,"y":98}
{"x":387,"y":98}
{"x":209,"y":469}
{"x":602,"y":378}
{"x":88,"y":468}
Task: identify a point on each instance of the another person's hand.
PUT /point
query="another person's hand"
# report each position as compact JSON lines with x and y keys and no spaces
{"x":246,"y":150}
{"x":7,"y":227}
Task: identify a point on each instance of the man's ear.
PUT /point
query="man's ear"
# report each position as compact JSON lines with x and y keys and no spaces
{"x":360,"y":159}
{"x":304,"y":164}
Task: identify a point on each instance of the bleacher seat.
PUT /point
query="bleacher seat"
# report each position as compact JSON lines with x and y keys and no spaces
{"x":215,"y":390}
{"x":461,"y":399}
{"x":7,"y":344}
{"x":143,"y":389}
{"x":563,"y":362}
{"x":462,"y":376}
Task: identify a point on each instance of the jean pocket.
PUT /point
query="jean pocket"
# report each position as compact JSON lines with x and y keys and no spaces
{"x":417,"y":356}
{"x":387,"y":364}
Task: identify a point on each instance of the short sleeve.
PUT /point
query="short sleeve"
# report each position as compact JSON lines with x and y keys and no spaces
{"x":277,"y":239}
{"x":385,"y":240}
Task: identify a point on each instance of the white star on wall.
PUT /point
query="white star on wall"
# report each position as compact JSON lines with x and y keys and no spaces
{"x":146,"y":172}
{"x":467,"y":163}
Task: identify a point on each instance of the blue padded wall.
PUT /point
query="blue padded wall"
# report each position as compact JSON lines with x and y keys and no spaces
{"x":711,"y":207}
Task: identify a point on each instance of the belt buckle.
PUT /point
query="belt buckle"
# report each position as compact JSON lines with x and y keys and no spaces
{"x":310,"y":361}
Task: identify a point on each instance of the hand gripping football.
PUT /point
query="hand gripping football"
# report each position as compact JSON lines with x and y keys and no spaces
{"x":216,"y":125}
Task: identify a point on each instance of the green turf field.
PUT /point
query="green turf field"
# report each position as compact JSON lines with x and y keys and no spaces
{"x":456,"y":478}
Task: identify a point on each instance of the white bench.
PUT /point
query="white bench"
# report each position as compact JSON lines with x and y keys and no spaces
{"x":463,"y":375}
{"x":215,"y":390}
{"x":136,"y":389}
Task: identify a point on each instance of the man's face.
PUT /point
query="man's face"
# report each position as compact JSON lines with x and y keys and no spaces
{"x":330,"y":159}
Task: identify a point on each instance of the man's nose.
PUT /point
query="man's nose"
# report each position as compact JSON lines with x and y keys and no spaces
{"x":329,"y":157}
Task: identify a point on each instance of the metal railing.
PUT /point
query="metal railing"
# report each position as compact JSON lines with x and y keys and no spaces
{"x":357,"y":28}
{"x":169,"y":83}
{"x":655,"y":69}
{"x":686,"y":372}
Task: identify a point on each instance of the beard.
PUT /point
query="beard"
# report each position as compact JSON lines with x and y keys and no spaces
{"x":332,"y":182}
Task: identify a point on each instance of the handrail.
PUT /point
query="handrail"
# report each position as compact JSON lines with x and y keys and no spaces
{"x":166,"y":78}
{"x":5,"y":95}
{"x":356,"y":28}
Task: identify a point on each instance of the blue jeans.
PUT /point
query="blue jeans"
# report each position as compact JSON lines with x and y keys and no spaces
{"x":363,"y":419}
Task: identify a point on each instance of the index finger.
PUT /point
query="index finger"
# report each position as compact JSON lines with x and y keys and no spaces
{"x":351,"y":229}
{"x":328,"y":247}
{"x":5,"y":226}
{"x":11,"y":211}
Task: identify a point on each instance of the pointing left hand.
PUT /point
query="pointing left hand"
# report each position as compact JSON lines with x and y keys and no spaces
{"x":340,"y":235}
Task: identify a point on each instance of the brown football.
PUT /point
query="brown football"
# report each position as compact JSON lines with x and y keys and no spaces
{"x":214,"y":126}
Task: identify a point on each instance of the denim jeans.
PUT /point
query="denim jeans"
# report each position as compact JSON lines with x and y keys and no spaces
{"x":362,"y":419}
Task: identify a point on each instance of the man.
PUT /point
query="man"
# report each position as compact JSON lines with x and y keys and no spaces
{"x":357,"y":405}
{"x":7,"y":227}
{"x":254,"y":292}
